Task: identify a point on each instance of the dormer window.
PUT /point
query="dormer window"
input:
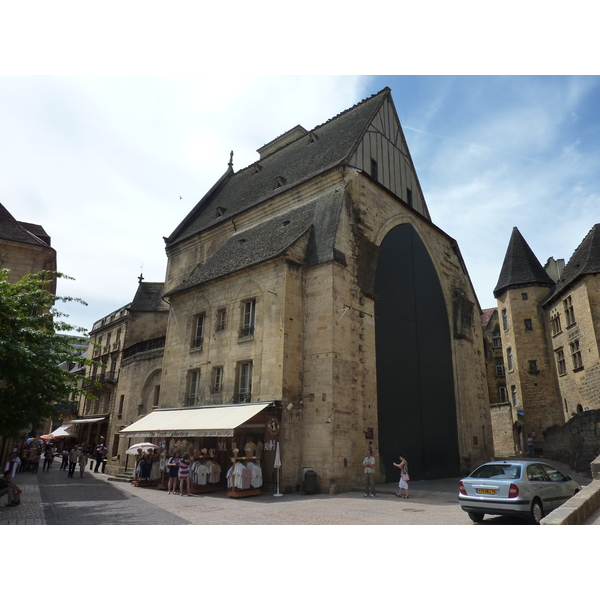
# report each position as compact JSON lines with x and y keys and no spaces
{"x":279,"y":182}
{"x":312,"y":138}
{"x":257,"y":169}
{"x":220,"y":211}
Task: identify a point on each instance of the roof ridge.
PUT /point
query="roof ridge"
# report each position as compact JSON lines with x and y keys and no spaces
{"x":308,"y":132}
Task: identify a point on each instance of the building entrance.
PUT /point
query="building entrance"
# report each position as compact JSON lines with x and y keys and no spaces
{"x":415,"y":384}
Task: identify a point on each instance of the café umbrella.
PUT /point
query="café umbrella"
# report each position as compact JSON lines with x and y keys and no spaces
{"x":277,"y":465}
{"x":141,"y":446}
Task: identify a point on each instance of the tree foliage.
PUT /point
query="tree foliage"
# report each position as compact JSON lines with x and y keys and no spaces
{"x":34,"y":341}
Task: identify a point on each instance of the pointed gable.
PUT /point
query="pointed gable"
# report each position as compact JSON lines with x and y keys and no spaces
{"x":26,"y":233}
{"x":521,"y":268}
{"x":298,"y":155}
{"x":585,"y":261}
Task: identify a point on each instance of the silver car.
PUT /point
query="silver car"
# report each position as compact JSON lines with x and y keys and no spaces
{"x":520,"y":488}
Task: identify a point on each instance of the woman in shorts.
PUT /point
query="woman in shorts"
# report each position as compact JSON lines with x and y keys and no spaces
{"x":184,"y":473}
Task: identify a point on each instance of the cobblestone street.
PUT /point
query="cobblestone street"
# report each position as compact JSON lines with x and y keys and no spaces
{"x":52,"y":498}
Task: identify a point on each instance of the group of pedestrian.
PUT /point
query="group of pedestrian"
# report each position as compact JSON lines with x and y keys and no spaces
{"x":178,"y":469}
{"x":77,"y":457}
{"x":369,"y":471}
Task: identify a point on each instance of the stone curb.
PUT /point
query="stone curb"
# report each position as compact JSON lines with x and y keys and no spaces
{"x":577,"y":509}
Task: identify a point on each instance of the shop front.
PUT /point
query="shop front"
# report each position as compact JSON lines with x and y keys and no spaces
{"x":230,"y":446}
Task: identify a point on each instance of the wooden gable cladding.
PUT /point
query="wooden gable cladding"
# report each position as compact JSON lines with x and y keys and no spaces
{"x":383,"y":154}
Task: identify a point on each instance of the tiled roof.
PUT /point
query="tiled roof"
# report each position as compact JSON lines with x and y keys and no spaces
{"x":486,"y":315}
{"x":26,"y":233}
{"x":520,"y":268}
{"x":273,"y":237}
{"x":319,"y":150}
{"x":149,"y":297}
{"x":585,"y":261}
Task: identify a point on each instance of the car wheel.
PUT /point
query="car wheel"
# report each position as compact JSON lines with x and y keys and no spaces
{"x":476,"y":517}
{"x":537,"y":513}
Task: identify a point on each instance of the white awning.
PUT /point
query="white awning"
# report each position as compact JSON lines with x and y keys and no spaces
{"x":197,"y":421}
{"x":94,"y":420}
{"x":63,"y":431}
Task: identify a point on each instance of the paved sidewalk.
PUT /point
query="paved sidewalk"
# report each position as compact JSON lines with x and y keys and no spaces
{"x":31,"y":510}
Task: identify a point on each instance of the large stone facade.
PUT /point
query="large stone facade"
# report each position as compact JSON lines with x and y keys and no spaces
{"x":315,"y":280}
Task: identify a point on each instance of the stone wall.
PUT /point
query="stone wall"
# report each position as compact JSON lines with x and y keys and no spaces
{"x":502,"y":428}
{"x":576,"y":443}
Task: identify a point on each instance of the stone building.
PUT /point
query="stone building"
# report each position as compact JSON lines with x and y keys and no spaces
{"x":128,"y":344}
{"x":550,"y":327}
{"x":313,"y":288}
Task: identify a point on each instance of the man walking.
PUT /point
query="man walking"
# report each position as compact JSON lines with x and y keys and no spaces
{"x":73,"y":458}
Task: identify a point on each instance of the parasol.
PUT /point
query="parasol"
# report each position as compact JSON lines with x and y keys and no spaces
{"x":141,"y":446}
{"x":46,"y":437}
{"x":277,"y":465}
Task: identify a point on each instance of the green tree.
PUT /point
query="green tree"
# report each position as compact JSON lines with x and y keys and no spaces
{"x":34,"y":341}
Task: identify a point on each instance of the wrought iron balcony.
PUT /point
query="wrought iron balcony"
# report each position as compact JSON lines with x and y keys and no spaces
{"x":145,"y":346}
{"x":242,"y":398}
{"x":247,"y":331}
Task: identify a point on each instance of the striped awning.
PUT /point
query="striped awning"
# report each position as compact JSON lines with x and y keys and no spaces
{"x":197,"y":421}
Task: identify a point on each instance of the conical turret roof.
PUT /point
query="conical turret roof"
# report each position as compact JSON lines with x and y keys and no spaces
{"x":521,"y":268}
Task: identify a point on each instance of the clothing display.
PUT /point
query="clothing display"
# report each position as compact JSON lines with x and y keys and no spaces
{"x":206,"y":472}
{"x":244,"y":476}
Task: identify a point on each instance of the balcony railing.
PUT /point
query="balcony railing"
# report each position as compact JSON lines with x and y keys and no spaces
{"x":247,"y":331}
{"x":242,"y":398}
{"x":153,"y":344}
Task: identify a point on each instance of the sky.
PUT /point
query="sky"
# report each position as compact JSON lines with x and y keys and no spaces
{"x":109,"y":164}
{"x":116,"y":118}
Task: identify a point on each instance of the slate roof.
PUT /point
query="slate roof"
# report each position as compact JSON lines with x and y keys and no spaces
{"x":272,"y":237}
{"x":149,"y":297}
{"x":319,"y":150}
{"x":521,"y":267}
{"x":585,"y":261}
{"x":16,"y":231}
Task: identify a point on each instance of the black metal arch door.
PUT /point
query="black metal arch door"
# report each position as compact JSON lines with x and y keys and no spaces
{"x":415,"y":383}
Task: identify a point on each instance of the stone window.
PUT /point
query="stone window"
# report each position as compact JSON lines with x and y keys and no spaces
{"x":248,"y":317}
{"x":374,"y":169}
{"x":576,"y":355}
{"x":513,"y":393}
{"x":193,"y":388}
{"x":496,"y":339}
{"x":499,"y":367}
{"x":524,"y":296}
{"x":244,"y":382}
{"x":533,"y":368}
{"x":503,"y":394}
{"x":221,"y":319}
{"x":569,"y":311}
{"x":505,"y":319}
{"x":198,"y":331}
{"x":528,"y":324}
{"x":217,"y":379}
{"x":561,"y":364}
{"x":555,"y":323}
{"x":509,"y":359}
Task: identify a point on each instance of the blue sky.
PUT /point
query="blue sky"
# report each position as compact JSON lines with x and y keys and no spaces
{"x":101,"y":161}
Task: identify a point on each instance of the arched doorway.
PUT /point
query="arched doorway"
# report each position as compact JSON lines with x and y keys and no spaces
{"x":415,"y":383}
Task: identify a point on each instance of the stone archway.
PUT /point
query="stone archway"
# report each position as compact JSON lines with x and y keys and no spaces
{"x":415,"y":382}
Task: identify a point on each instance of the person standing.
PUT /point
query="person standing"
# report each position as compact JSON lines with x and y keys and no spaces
{"x":369,"y":469}
{"x":65,"y":460}
{"x":48,"y":457}
{"x":404,"y":477}
{"x":7,"y":487}
{"x":73,"y":460}
{"x":82,"y":460}
{"x":184,"y":473}
{"x":172,"y":470}
{"x":99,"y":456}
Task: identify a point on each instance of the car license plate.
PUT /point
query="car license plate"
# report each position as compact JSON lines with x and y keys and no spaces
{"x":486,"y":491}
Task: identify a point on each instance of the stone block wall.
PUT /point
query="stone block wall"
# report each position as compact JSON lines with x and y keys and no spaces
{"x":576,"y":443}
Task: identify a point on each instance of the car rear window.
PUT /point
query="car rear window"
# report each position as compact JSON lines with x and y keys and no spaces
{"x":497,"y":472}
